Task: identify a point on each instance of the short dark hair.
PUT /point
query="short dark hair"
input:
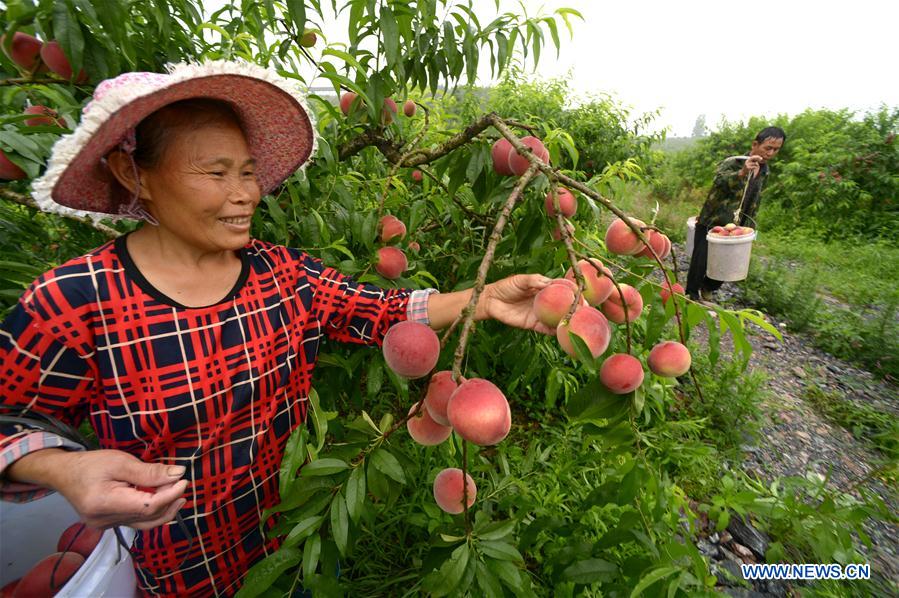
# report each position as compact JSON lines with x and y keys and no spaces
{"x":155,"y":132}
{"x":771,"y":133}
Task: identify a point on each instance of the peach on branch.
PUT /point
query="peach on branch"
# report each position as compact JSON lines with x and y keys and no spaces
{"x":557,"y":234}
{"x":56,"y":60}
{"x":308,"y":39}
{"x":391,"y":227}
{"x":417,"y":175}
{"x":622,"y":240}
{"x":597,"y":283}
{"x":552,"y":303}
{"x":49,"y":575}
{"x":518,"y":163}
{"x":424,"y":430}
{"x":411,"y":349}
{"x":389,"y":111}
{"x":10,"y":171}
{"x":667,"y":289}
{"x":25,"y":50}
{"x":592,"y":328}
{"x":567,"y":202}
{"x":621,"y":373}
{"x":409,"y":108}
{"x":414,"y":246}
{"x":499,"y":153}
{"x":613,"y":307}
{"x":79,"y":538}
{"x":440,"y":388}
{"x":43,"y":116}
{"x":449,"y":493}
{"x":479,"y":412}
{"x":346,"y":101}
{"x":391,"y":262}
{"x":658,"y":242}
{"x":669,"y":359}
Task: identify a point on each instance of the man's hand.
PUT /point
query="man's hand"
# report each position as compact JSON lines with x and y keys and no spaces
{"x":752,"y":166}
{"x":108,"y":487}
{"x":511,"y":301}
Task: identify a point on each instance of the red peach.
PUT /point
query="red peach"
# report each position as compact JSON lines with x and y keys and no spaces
{"x":10,"y":171}
{"x":448,"y":491}
{"x":614,"y":309}
{"x":658,"y":242}
{"x":346,"y":101}
{"x":552,"y":303}
{"x":621,"y":373}
{"x":669,"y":359}
{"x":55,"y":58}
{"x":597,"y":287}
{"x":391,"y":262}
{"x":440,"y":389}
{"x":518,"y":164}
{"x":43,"y":116}
{"x":567,"y":203}
{"x":414,"y":246}
{"x":409,"y":108}
{"x":666,"y":291}
{"x":499,"y":153}
{"x":389,"y":111}
{"x":592,"y":328}
{"x":25,"y":50}
{"x":417,"y":176}
{"x":411,"y":349}
{"x":79,"y":538}
{"x":391,"y":227}
{"x":424,"y":430}
{"x":557,"y":234}
{"x":41,"y":579}
{"x":622,"y":240}
{"x":479,"y":412}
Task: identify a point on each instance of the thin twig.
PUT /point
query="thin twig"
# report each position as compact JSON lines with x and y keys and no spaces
{"x":27,"y":200}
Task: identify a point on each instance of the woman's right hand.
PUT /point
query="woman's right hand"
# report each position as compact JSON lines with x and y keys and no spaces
{"x":107,"y":487}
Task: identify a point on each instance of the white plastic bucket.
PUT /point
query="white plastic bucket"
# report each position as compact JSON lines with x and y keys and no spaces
{"x":30,"y":531}
{"x":729,"y":257}
{"x":691,"y":234}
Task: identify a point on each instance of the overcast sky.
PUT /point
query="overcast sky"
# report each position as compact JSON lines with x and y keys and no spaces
{"x":732,"y":59}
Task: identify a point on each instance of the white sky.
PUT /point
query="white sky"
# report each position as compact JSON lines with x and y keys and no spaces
{"x":722,"y":59}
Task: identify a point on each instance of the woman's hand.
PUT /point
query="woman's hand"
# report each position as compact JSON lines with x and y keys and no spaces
{"x":511,"y":301}
{"x":107,"y":487}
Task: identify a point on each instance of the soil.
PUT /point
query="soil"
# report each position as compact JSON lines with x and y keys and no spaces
{"x":797,"y":440}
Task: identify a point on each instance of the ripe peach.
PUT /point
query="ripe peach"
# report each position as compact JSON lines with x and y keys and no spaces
{"x":10,"y":171}
{"x":440,"y":389}
{"x":669,"y":359}
{"x":658,"y":242}
{"x":557,"y":234}
{"x":346,"y":101}
{"x":424,"y":430}
{"x":518,"y":164}
{"x":25,"y":50}
{"x":591,"y":326}
{"x":55,"y":58}
{"x":391,"y":262}
{"x":621,"y":373}
{"x":41,"y":580}
{"x":409,"y":108}
{"x":666,"y":291}
{"x":719,"y":230}
{"x":499,"y":153}
{"x":414,"y":246}
{"x":79,"y":538}
{"x":479,"y":412}
{"x":43,"y":116}
{"x":411,"y":349}
{"x":448,"y":492}
{"x":622,"y":240}
{"x":391,"y":227}
{"x":730,"y":226}
{"x":614,"y":309}
{"x":389,"y":111}
{"x":597,"y":287}
{"x":308,"y":38}
{"x":567,"y":203}
{"x":417,"y":175}
{"x":552,"y":303}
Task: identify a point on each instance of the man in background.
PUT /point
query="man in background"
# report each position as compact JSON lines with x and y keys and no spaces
{"x":726,"y":197}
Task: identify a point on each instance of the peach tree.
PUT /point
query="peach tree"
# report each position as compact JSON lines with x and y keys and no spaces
{"x":405,"y":477}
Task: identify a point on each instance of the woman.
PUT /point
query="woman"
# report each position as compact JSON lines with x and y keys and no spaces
{"x":187,"y":344}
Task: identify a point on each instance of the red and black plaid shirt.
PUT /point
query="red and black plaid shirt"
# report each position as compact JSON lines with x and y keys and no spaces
{"x":217,"y":389}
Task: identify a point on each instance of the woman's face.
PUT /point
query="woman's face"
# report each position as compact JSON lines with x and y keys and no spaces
{"x":204,"y":190}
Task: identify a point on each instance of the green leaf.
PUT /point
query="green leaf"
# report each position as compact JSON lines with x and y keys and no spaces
{"x":355,"y":492}
{"x":488,"y":582}
{"x":296,"y":10}
{"x":589,"y":571}
{"x":495,"y":530}
{"x":757,"y":318}
{"x":594,"y":401}
{"x":390,"y":35}
{"x":320,"y":419}
{"x":263,"y":574}
{"x":324,"y":467}
{"x":502,"y":551}
{"x":583,"y":352}
{"x":443,"y":581}
{"x":375,"y":376}
{"x":294,"y":456}
{"x":67,"y":31}
{"x":654,"y":576}
{"x":655,"y":323}
{"x":302,"y":530}
{"x":387,"y":464}
{"x":340,"y":524}
{"x":311,"y":552}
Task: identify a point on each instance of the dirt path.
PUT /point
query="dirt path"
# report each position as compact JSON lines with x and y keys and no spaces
{"x":796,"y":439}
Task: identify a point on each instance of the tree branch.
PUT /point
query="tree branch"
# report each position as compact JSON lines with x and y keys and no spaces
{"x":27,"y":200}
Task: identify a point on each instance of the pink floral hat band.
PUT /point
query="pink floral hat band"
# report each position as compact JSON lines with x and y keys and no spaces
{"x":272,"y":110}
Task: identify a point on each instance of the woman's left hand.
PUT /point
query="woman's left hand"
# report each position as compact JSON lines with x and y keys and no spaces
{"x":511,"y":301}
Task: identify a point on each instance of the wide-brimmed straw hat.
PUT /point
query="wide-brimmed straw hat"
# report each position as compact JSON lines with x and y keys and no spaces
{"x":272,"y":110}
